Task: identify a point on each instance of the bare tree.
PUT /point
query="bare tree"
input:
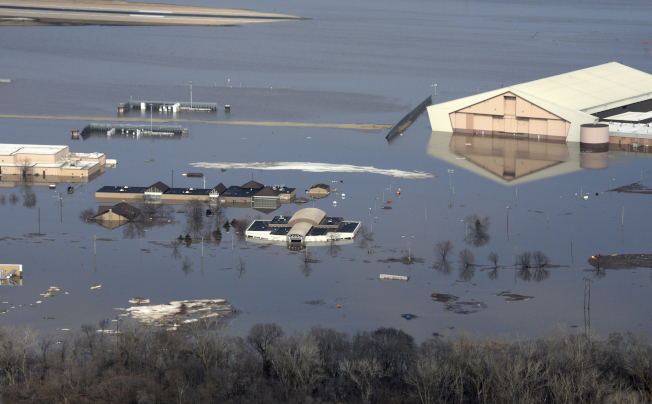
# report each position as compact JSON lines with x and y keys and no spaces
{"x":208,"y":341}
{"x":540,"y":259}
{"x":466,"y":257}
{"x":493,"y":258}
{"x":174,"y":244}
{"x":3,"y":199}
{"x":195,"y":209}
{"x":365,"y":373}
{"x":262,"y":336}
{"x":29,"y":198}
{"x":524,"y":260}
{"x":478,"y":230}
{"x":241,"y":267}
{"x":297,"y":362}
{"x":87,"y":214}
{"x":443,"y":249}
{"x":186,"y":266}
{"x":15,"y":345}
{"x":13,"y":199}
{"x":24,"y":167}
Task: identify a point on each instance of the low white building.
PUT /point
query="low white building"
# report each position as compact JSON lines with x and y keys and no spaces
{"x":307,"y":226}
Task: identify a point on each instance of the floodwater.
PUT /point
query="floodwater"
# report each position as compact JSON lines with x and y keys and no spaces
{"x":367,"y":62}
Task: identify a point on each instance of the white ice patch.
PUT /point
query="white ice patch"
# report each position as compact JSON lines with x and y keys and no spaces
{"x":318,"y":168}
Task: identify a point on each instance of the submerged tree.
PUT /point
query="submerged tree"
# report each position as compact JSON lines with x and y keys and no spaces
{"x":466,"y":257}
{"x":478,"y":230}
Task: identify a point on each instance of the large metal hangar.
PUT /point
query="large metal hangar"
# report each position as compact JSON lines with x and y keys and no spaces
{"x":552,"y":108}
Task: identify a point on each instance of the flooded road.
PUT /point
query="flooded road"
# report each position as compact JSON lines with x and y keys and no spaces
{"x":362,"y":63}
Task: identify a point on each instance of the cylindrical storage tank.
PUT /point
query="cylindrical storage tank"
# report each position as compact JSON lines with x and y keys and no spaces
{"x":594,"y":160}
{"x":594,"y":136}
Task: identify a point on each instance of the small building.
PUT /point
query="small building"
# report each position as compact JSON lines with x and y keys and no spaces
{"x":11,"y":274}
{"x":116,"y":215}
{"x":309,"y":225}
{"x":318,"y":191}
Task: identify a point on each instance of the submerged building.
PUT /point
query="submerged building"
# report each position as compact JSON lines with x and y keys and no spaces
{"x":251,"y":194}
{"x":307,"y":226}
{"x":47,"y":164}
{"x":552,"y":108}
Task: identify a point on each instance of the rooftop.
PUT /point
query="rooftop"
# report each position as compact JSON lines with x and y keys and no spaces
{"x":12,"y":149}
{"x":124,"y":189}
{"x":187,"y":191}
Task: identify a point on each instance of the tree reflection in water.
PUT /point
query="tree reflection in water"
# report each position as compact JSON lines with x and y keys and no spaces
{"x":478,"y":230}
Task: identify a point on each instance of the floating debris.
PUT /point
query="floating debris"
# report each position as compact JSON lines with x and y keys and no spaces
{"x":54,"y":289}
{"x":48,"y":294}
{"x":48,"y":318}
{"x":409,"y":316}
{"x":95,"y":287}
{"x":318,"y":168}
{"x":513,"y":297}
{"x":443,"y":297}
{"x":385,"y":277}
{"x":315,"y":302}
{"x":465,"y":307}
{"x":176,"y":314}
{"x":621,"y":261}
{"x":139,"y":300}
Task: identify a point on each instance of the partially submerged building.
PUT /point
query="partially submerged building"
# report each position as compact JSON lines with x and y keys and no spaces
{"x":251,"y":194}
{"x":47,"y":164}
{"x":11,"y":274}
{"x":116,"y":215}
{"x":318,"y":191}
{"x":550,"y":108}
{"x":309,"y":225}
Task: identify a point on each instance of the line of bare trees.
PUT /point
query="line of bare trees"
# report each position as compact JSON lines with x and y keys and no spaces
{"x":204,"y":365}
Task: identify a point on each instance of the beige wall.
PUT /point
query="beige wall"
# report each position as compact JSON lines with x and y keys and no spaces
{"x":510,"y":114}
{"x":181,"y":199}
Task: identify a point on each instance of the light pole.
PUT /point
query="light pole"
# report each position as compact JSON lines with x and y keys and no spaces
{"x":375,"y":209}
{"x":450,"y":191}
{"x":507,"y":222}
{"x":151,"y":112}
{"x":390,"y":188}
{"x":466,"y":227}
{"x":409,"y":247}
{"x":386,"y":189}
{"x":435,"y":86}
{"x":613,"y":179}
{"x":191,"y":95}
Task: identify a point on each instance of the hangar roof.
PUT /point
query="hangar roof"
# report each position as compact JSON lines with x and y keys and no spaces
{"x":593,"y":89}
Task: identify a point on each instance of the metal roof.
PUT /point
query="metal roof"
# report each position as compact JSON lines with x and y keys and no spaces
{"x":572,"y":96}
{"x":593,"y":89}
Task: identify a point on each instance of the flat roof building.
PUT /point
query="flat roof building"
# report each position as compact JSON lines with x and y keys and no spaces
{"x":549,"y":108}
{"x":307,"y":226}
{"x":47,"y":164}
{"x":251,"y":194}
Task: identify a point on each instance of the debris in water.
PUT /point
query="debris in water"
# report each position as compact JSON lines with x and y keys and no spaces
{"x":443,"y":297}
{"x":139,"y":300}
{"x":48,"y":294}
{"x":465,"y":307}
{"x":409,"y":316}
{"x":176,"y":314}
{"x":54,"y":289}
{"x":385,"y":277}
{"x":513,"y":297}
{"x":95,"y":287}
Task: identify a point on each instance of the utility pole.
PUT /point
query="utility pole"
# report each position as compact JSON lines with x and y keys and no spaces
{"x":39,"y":220}
{"x":191,"y":95}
